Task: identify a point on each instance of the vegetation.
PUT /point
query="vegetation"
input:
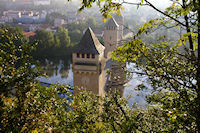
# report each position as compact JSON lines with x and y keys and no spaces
{"x":173,"y":66}
{"x":52,"y":45}
{"x":60,"y":44}
{"x":26,"y":106}
{"x":173,"y":73}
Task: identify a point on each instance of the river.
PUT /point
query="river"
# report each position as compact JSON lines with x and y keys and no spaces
{"x":60,"y":71}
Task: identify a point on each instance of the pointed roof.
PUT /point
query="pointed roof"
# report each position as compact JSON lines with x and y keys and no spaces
{"x":89,"y":44}
{"x":111,"y":22}
{"x":118,"y":18}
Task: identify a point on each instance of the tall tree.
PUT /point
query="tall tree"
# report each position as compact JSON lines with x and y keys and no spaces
{"x":46,"y":42}
{"x":63,"y":37}
{"x":26,"y":106}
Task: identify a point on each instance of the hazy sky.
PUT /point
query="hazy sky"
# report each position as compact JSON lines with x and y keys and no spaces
{"x":157,"y":3}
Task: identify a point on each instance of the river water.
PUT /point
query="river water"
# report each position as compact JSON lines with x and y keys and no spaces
{"x":60,"y":71}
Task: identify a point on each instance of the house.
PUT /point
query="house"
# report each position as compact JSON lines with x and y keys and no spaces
{"x":59,"y":22}
{"x":41,"y":2}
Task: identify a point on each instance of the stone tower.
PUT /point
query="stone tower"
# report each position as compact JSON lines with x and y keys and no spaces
{"x":120,"y":22}
{"x":87,"y":58}
{"x":111,"y":36}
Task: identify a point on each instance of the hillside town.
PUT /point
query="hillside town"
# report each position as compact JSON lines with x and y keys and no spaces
{"x":33,"y":15}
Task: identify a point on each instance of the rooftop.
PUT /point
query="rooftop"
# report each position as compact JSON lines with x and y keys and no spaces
{"x":89,"y":44}
{"x":111,"y":22}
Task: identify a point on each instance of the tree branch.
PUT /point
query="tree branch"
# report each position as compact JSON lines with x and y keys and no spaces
{"x":130,"y":3}
{"x":151,"y":5}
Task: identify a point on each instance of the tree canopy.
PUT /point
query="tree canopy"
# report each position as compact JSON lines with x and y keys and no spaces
{"x":173,"y":66}
{"x":173,"y":72}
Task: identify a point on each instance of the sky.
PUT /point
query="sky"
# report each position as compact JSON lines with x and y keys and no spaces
{"x":157,"y":3}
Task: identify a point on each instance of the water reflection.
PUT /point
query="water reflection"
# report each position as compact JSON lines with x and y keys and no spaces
{"x":60,"y":71}
{"x":136,"y":96}
{"x":57,"y":70}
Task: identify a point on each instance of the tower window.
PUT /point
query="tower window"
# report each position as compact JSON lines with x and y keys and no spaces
{"x":78,"y":55}
{"x":88,"y":55}
{"x":93,"y":56}
{"x":83,"y":55}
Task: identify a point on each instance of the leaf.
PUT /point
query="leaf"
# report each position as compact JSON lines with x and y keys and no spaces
{"x":173,"y":5}
{"x":34,"y":131}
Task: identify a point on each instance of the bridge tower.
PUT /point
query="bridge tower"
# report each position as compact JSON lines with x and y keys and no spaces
{"x":87,"y":59}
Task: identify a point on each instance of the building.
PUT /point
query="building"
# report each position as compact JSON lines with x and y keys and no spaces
{"x":91,"y":60}
{"x":111,"y":36}
{"x":11,"y":15}
{"x":87,"y":59}
{"x":120,"y":22}
{"x":23,"y":2}
{"x":41,"y":2}
{"x":59,"y":22}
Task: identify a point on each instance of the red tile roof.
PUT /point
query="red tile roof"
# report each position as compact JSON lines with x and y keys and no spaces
{"x":29,"y":34}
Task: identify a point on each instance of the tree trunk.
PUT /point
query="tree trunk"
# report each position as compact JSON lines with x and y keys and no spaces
{"x":188,"y":28}
{"x":198,"y":73}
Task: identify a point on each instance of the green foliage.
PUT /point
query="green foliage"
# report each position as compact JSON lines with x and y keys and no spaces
{"x":76,"y":29}
{"x":171,"y":65}
{"x":170,"y":68}
{"x":91,"y":22}
{"x":45,"y":39}
{"x":180,"y":113}
{"x":108,"y":7}
{"x":26,"y":106}
{"x":63,"y":37}
{"x":174,"y":75}
{"x":75,"y":36}
{"x":50,"y":45}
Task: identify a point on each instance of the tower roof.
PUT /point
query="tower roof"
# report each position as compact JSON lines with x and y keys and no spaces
{"x":118,"y":18}
{"x":89,"y":44}
{"x":111,"y":22}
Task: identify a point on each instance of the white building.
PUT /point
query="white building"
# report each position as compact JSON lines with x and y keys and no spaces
{"x":59,"y":22}
{"x":41,"y":2}
{"x":9,"y":15}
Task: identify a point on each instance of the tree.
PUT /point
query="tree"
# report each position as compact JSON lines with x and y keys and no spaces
{"x":75,"y":36}
{"x":45,"y":42}
{"x":45,"y":39}
{"x":63,"y":37}
{"x":26,"y":105}
{"x":91,"y":22}
{"x":167,"y":67}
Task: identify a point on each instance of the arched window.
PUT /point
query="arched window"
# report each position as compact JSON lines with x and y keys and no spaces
{"x":78,"y":55}
{"x":88,"y":55}
{"x":83,"y":55}
{"x":93,"y":56}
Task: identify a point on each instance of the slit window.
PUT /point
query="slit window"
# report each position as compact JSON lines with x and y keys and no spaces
{"x":83,"y":55}
{"x":78,"y":55}
{"x":93,"y":56}
{"x":88,"y":55}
